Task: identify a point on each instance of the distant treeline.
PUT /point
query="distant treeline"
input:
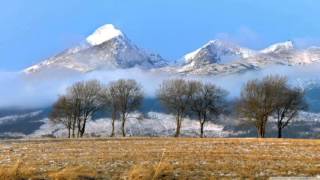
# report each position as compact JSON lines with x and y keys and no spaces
{"x":260,"y":100}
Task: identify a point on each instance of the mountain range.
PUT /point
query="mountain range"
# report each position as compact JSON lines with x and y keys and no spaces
{"x":109,"y":48}
{"x":108,"y":51}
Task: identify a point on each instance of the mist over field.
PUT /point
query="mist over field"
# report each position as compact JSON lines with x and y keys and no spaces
{"x":41,"y":90}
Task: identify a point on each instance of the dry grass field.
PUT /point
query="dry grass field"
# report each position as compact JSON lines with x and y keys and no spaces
{"x":158,"y":158}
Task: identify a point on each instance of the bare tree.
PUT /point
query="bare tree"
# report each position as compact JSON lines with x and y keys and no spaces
{"x":62,"y":113}
{"x":289,"y":102}
{"x":207,"y":100}
{"x":84,"y":96}
{"x":258,"y":99}
{"x":75,"y":108}
{"x":127,"y":96}
{"x":109,"y":100}
{"x":176,"y":95}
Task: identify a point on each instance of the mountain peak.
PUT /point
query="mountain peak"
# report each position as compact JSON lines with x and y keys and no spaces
{"x":215,"y":42}
{"x":218,"y":51}
{"x":108,"y":48}
{"x":103,"y":34}
{"x":282,"y":46}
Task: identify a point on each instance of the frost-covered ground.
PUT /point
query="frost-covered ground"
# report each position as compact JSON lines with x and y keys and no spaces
{"x":153,"y":124}
{"x":35,"y":124}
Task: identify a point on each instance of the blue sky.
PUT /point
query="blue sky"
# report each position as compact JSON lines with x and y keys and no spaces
{"x":35,"y":29}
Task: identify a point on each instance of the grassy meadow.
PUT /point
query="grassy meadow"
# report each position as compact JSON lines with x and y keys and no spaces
{"x":158,"y":158}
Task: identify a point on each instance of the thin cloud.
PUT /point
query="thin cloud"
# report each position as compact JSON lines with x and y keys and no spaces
{"x":19,"y":91}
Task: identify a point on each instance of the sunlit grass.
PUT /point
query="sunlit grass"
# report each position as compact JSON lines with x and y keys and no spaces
{"x":159,"y":158}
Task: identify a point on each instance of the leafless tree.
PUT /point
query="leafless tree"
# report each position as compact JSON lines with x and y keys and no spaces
{"x":127,"y":96}
{"x":207,"y":100}
{"x":109,"y":100}
{"x":175,"y":95}
{"x":258,"y":100}
{"x":84,"y":96}
{"x":62,"y":113}
{"x":289,"y":102}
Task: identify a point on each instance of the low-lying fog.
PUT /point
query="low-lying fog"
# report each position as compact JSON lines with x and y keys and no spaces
{"x":41,"y":89}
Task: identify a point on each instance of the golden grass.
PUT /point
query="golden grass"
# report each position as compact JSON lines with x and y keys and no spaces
{"x":17,"y":173}
{"x":74,"y":173}
{"x":158,"y":158}
{"x":145,"y":172}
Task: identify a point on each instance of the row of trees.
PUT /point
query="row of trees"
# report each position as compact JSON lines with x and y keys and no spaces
{"x":270,"y":97}
{"x":85,"y":98}
{"x":260,"y":100}
{"x":76,"y":107}
{"x":182,"y":97}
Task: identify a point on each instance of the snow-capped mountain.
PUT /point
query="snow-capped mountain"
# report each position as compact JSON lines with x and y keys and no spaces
{"x":279,"y":47}
{"x":106,"y":48}
{"x":109,"y":48}
{"x":103,"y":34}
{"x":220,"y":58}
{"x":217,"y":51}
{"x":212,"y":58}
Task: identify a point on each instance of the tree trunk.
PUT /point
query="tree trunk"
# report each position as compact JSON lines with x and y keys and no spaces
{"x":279,"y":132}
{"x":73,"y":127}
{"x":178,"y":121}
{"x":112,"y":123}
{"x":79,"y":127}
{"x":83,"y":127}
{"x":264,"y":129}
{"x":69,"y":132}
{"x":123,"y":125}
{"x":202,"y":123}
{"x":112,"y":131}
{"x":201,"y":129}
{"x":261,"y":130}
{"x":279,"y":125}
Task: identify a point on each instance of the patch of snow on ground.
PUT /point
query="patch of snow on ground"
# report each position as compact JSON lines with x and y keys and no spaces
{"x":153,"y":124}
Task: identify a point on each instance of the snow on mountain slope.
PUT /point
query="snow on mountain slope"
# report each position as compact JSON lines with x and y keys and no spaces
{"x":309,"y":55}
{"x":287,"y":54}
{"x":220,"y":58}
{"x":103,"y":34}
{"x":278,"y":47}
{"x":213,"y":57}
{"x":106,"y":48}
{"x":217,"y":51}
